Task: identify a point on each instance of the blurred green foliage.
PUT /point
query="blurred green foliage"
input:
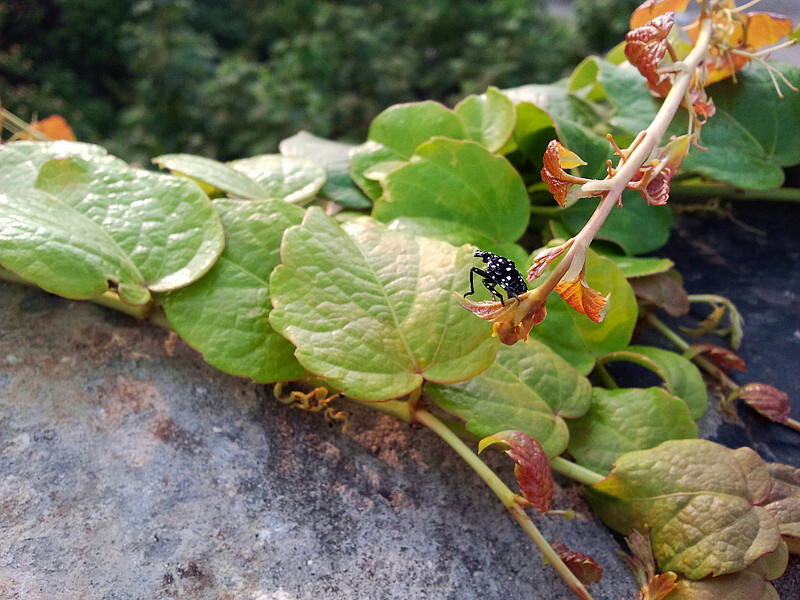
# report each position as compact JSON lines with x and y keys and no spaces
{"x":230,"y":79}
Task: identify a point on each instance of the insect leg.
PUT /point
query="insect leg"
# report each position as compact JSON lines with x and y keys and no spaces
{"x":472,"y":273}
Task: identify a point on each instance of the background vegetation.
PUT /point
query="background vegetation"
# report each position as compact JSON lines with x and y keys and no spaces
{"x":231,"y":79}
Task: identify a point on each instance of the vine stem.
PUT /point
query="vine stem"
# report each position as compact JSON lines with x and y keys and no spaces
{"x":506,"y":496}
{"x":707,"y":365}
{"x":640,"y":151}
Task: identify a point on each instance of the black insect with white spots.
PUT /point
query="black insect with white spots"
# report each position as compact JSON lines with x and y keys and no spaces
{"x":499,"y":271}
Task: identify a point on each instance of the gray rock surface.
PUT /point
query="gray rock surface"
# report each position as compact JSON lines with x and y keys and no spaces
{"x":130,"y":469}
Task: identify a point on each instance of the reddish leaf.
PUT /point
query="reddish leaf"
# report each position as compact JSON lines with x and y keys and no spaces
{"x":655,"y":182}
{"x":584,"y":567}
{"x":766,"y":400}
{"x":532,"y":469}
{"x":725,"y":359}
{"x":653,"y":8}
{"x":556,"y":159}
{"x":583,"y":299}
{"x":645,"y":46}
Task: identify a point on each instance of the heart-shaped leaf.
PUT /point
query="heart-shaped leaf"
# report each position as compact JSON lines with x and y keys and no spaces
{"x":102,"y":224}
{"x":528,"y":388}
{"x":334,"y":157}
{"x":489,"y":118}
{"x":225,"y":315}
{"x":372,"y":310}
{"x":458,"y":181}
{"x":623,"y":420}
{"x":681,"y":377}
{"x":262,"y":177}
{"x":577,"y":338}
{"x":699,"y":500}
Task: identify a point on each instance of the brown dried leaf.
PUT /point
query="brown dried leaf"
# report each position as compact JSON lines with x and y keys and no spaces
{"x":54,"y":127}
{"x":532,"y":469}
{"x":664,"y":291}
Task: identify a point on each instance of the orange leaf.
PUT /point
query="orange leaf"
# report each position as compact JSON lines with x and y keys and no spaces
{"x":532,"y":469}
{"x":512,"y":322}
{"x":556,"y":159}
{"x":584,"y":567}
{"x":582,"y":298}
{"x":764,"y":29}
{"x":55,"y":127}
{"x":653,"y":8}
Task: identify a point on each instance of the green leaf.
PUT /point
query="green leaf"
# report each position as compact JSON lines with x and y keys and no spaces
{"x":403,"y":127}
{"x":489,"y":118}
{"x":680,"y":375}
{"x":458,"y":181}
{"x":623,"y":420}
{"x":102,"y":224}
{"x":572,"y":117}
{"x":699,"y":500}
{"x":396,"y":133}
{"x":20,"y":161}
{"x":577,"y":338}
{"x":634,"y":107}
{"x":213,"y":173}
{"x":528,"y":388}
{"x":283,"y":177}
{"x":637,"y":266}
{"x":334,"y":157}
{"x":637,"y":228}
{"x":225,"y":315}
{"x":372,"y":310}
{"x":753,"y":133}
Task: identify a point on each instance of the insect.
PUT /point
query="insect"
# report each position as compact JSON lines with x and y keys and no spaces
{"x":499,"y":271}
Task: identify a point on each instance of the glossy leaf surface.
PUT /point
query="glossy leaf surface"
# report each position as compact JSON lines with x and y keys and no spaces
{"x":225,"y":315}
{"x":460,"y":182}
{"x":623,"y":420}
{"x":528,"y":388}
{"x":97,"y":224}
{"x":372,"y":310}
